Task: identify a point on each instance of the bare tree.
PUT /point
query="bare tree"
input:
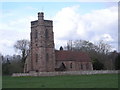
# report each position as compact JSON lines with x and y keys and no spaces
{"x":80,"y":45}
{"x":23,"y":47}
{"x":69,"y":45}
{"x":103,"y":47}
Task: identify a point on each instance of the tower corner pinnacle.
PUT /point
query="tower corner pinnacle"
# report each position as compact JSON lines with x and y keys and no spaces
{"x":40,"y":16}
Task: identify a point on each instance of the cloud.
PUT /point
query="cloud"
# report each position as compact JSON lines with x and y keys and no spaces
{"x":13,"y":30}
{"x":62,"y":22}
{"x":69,"y":24}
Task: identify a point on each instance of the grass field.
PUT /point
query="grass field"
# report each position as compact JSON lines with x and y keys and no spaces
{"x":71,"y":81}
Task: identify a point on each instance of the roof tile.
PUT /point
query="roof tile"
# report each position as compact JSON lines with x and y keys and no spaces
{"x":71,"y":56}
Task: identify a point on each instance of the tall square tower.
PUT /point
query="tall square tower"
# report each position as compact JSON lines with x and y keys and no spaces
{"x":42,"y":45}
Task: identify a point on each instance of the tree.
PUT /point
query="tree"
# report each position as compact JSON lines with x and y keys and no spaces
{"x":23,"y":47}
{"x":69,"y":45}
{"x":79,"y":45}
{"x":117,"y":62}
{"x":61,"y":48}
{"x":11,"y":64}
{"x":104,"y":50}
{"x":1,"y":58}
{"x":6,"y":67}
{"x":103,"y":47}
{"x":97,"y":65}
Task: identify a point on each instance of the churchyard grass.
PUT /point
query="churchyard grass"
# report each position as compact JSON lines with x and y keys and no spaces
{"x":67,"y":81}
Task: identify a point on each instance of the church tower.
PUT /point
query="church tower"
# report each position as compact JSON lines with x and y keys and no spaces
{"x":42,"y":45}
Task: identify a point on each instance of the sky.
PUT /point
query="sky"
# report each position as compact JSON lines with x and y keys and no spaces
{"x":91,"y":21}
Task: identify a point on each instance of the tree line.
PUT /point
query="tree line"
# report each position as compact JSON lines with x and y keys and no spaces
{"x":101,"y":56}
{"x":15,"y":63}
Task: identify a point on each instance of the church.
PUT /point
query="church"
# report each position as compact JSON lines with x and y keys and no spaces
{"x":43,"y":57}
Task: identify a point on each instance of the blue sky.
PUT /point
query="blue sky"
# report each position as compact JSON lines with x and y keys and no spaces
{"x":83,"y":20}
{"x":52,"y":6}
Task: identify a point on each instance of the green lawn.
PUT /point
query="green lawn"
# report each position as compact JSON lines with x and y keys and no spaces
{"x":69,"y":81}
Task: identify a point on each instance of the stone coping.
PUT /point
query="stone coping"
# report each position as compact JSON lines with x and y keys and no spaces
{"x":32,"y":73}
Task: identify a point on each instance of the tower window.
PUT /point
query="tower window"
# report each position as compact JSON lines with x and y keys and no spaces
{"x":46,"y":33}
{"x":36,"y":34}
{"x":47,"y":57}
{"x":36,"y":44}
{"x":36,"y":58}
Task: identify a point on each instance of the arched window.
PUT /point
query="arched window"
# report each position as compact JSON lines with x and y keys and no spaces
{"x":70,"y":65}
{"x":46,"y":33}
{"x":36,"y":34}
{"x":81,"y":66}
{"x":47,"y":57}
{"x":36,"y":58}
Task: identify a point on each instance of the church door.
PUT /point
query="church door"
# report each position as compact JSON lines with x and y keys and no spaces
{"x":62,"y":67}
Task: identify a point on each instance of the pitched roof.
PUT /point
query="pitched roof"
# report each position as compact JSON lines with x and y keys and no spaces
{"x":71,"y":56}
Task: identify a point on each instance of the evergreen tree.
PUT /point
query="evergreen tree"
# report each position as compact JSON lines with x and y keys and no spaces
{"x":117,"y":62}
{"x":97,"y":65}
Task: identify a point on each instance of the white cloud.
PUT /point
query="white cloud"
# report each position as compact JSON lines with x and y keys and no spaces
{"x":65,"y":22}
{"x":93,"y":26}
{"x":69,"y":24}
{"x":13,"y":30}
{"x":107,"y":37}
